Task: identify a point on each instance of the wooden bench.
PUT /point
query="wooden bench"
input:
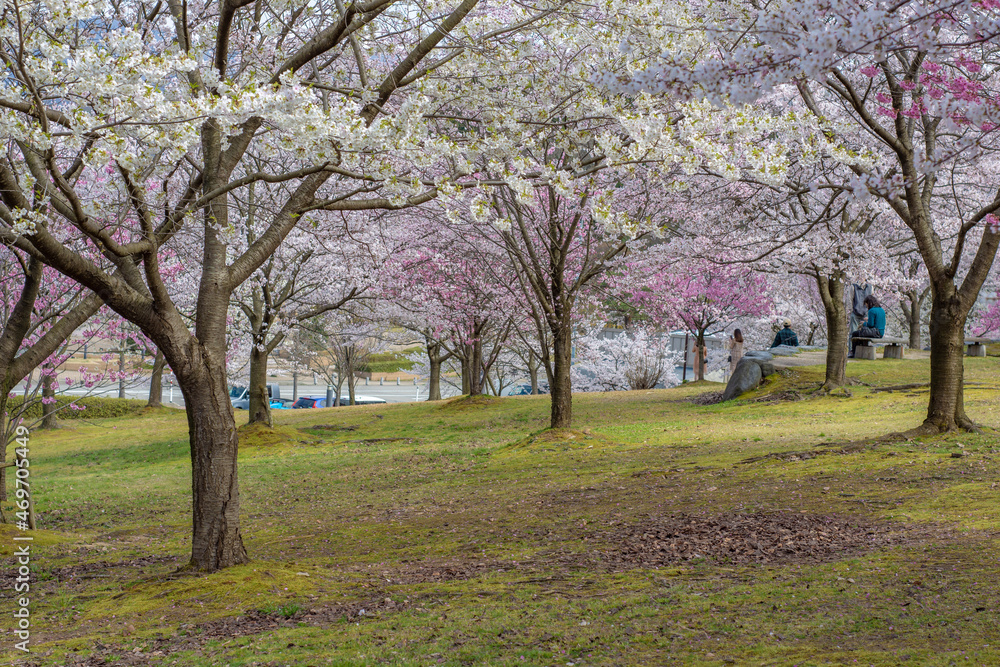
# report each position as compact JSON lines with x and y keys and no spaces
{"x":977,"y":346}
{"x":865,"y":349}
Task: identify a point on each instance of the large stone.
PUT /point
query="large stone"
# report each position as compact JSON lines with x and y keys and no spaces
{"x":746,"y":376}
{"x":760,"y":355}
{"x":766,"y":368}
{"x":784,"y":350}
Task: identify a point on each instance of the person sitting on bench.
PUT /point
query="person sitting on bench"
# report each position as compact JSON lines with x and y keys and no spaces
{"x":785,"y":335}
{"x":874,"y":327}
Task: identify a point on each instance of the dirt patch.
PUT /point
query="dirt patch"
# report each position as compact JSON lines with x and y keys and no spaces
{"x":709,"y":398}
{"x":328,"y":427}
{"x":377,"y":441}
{"x":762,"y":539}
{"x":778,"y":397}
{"x":558,"y":439}
{"x":191,"y":637}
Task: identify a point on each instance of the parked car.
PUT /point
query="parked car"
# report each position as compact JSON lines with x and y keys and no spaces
{"x":361,"y":400}
{"x":525,"y":389}
{"x":239,"y":396}
{"x":320,"y":401}
{"x":309,"y":402}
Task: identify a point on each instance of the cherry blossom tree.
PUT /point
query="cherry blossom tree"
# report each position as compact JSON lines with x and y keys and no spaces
{"x":671,"y":288}
{"x":915,"y":80}
{"x":170,"y":105}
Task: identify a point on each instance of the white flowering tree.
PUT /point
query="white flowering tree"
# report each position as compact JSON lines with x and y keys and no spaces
{"x":166,"y":106}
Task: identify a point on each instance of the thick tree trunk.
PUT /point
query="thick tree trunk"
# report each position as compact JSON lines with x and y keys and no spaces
{"x":946,"y":408}
{"x":156,"y":381}
{"x":260,"y":403}
{"x":831,"y":292}
{"x":216,"y":541}
{"x":476,"y":368}
{"x":434,"y":381}
{"x":49,"y":420}
{"x":561,"y":385}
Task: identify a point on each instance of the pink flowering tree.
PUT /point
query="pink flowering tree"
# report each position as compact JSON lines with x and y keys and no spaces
{"x":701,"y":296}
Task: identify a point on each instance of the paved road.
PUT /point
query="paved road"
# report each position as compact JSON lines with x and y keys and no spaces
{"x":390,"y":392}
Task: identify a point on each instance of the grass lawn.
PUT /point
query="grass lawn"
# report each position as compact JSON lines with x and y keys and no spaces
{"x":774,"y":530}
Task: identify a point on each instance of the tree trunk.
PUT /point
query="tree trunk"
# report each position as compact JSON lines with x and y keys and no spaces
{"x":216,"y":541}
{"x":121,"y":372}
{"x":466,"y":369}
{"x":700,"y":356}
{"x":156,"y":381}
{"x":831,"y":291}
{"x":49,"y":420}
{"x":946,"y":408}
{"x":476,"y":368}
{"x":434,"y":381}
{"x":533,"y":372}
{"x":562,"y":386}
{"x":911,"y":314}
{"x":260,"y":403}
{"x":5,"y":423}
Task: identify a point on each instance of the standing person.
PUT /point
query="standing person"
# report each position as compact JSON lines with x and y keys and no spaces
{"x":786,"y":336}
{"x":735,"y":345}
{"x":859,"y":311}
{"x":875,"y":324}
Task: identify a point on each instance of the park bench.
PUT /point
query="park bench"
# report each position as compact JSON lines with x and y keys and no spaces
{"x":865,"y":348}
{"x":977,"y":346}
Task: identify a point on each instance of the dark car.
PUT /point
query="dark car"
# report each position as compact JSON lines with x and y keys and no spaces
{"x":525,"y":389}
{"x":309,"y":402}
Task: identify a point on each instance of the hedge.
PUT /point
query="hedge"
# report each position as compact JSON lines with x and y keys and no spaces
{"x":95,"y":407}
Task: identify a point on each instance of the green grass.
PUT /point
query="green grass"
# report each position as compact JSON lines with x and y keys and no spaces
{"x":463,"y":533}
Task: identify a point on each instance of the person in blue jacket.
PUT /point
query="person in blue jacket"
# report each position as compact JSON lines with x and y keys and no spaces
{"x":875,"y":325}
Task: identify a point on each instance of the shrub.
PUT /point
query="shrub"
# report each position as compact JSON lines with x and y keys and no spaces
{"x":389,"y":362}
{"x":95,"y":407}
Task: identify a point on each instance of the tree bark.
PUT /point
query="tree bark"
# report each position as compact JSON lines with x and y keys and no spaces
{"x":831,"y":292}
{"x":434,"y":380}
{"x":156,"y":381}
{"x":476,"y":368}
{"x":436,"y":356}
{"x":466,"y":369}
{"x":216,"y":541}
{"x":946,"y":407}
{"x":562,"y":386}
{"x":911,"y":313}
{"x":533,"y":372}
{"x":121,"y":371}
{"x":260,"y":404}
{"x":49,"y":420}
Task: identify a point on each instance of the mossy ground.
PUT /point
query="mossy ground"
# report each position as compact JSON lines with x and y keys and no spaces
{"x":463,"y":533}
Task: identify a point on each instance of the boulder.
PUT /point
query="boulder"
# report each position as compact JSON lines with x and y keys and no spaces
{"x":784,"y":350}
{"x":766,"y":368}
{"x":746,"y":376}
{"x":760,"y":355}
